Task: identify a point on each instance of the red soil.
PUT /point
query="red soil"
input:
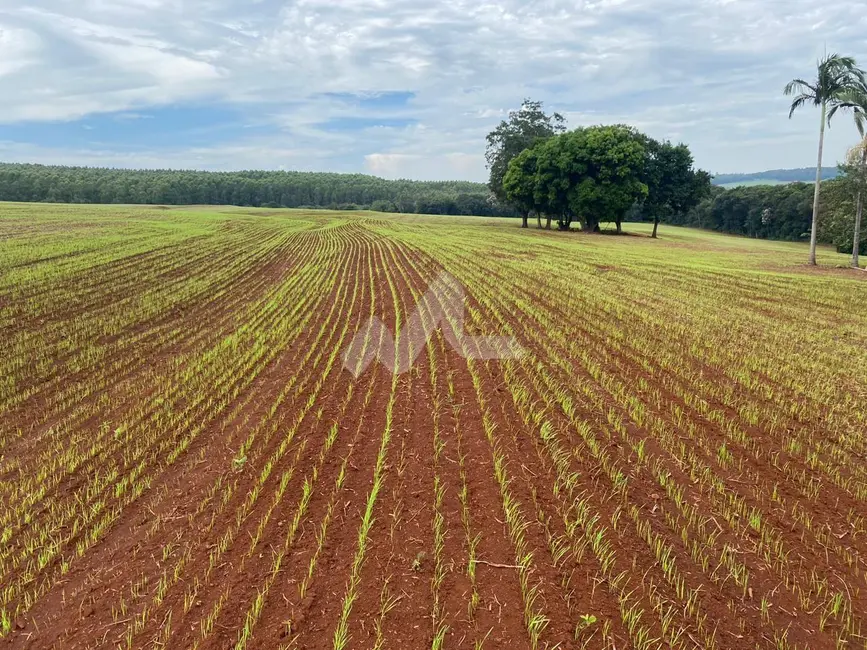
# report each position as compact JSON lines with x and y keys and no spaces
{"x":189,"y":561}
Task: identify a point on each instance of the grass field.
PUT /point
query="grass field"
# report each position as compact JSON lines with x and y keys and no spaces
{"x":677,"y":462}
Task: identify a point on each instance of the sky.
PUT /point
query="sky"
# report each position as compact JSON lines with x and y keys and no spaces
{"x":407,"y":88}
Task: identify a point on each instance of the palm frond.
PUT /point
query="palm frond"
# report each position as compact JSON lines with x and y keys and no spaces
{"x":837,"y":74}
{"x":799,"y":101}
{"x":799,"y":86}
{"x":840,"y":85}
{"x":861,"y":123}
{"x":852,"y":98}
{"x":836,"y":59}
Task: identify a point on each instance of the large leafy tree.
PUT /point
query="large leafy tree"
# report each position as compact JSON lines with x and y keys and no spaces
{"x":557,"y":170}
{"x":673,"y":185}
{"x":835,"y":77}
{"x":614,"y":157}
{"x":591,"y":174}
{"x":523,"y":128}
{"x":519,"y":185}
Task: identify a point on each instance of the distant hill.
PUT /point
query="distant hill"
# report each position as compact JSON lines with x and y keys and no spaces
{"x":774,"y":177}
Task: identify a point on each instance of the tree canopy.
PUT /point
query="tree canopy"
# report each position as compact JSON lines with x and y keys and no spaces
{"x":522,"y":130}
{"x":251,"y":188}
{"x":674,"y":186}
{"x":601,"y":173}
{"x":519,"y":184}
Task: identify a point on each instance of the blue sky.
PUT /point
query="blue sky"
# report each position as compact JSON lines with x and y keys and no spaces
{"x":162,"y":126}
{"x":405,"y":88}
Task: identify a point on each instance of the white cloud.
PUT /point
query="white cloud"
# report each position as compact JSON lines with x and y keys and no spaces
{"x":422,"y":167}
{"x":253,"y":155}
{"x":707,"y":72}
{"x":18,"y":48}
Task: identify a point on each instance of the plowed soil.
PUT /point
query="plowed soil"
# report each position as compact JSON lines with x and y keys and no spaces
{"x":188,"y":460}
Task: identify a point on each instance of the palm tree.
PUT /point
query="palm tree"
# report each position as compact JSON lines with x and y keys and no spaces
{"x":836,"y":75}
{"x":856,"y":100}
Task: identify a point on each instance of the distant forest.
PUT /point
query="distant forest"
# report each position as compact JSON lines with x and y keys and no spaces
{"x":802,"y":175}
{"x":274,"y":189}
{"x":778,"y":212}
{"x":764,"y":211}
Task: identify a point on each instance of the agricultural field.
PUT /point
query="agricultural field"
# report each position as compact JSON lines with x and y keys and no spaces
{"x":189,"y":460}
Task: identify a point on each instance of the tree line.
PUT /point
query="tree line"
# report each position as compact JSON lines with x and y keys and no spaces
{"x":40,"y":183}
{"x":782,"y":212}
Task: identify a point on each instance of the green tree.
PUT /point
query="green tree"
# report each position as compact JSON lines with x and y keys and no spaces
{"x":524,"y":128}
{"x":558,"y":168}
{"x":519,"y":184}
{"x":590,"y":174}
{"x":836,"y":76}
{"x":605,"y":165}
{"x":836,"y":216}
{"x":673,"y":186}
{"x":845,"y":208}
{"x":856,"y":163}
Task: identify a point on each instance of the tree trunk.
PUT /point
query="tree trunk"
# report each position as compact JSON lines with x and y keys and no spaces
{"x":814,"y":233}
{"x":590,"y":225}
{"x":524,"y":217}
{"x":655,"y":226}
{"x":856,"y":242}
{"x":619,"y":229}
{"x":548,"y":222}
{"x":539,"y":219}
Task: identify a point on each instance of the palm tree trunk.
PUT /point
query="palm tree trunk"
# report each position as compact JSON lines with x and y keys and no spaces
{"x":814,"y":233}
{"x":856,"y":241}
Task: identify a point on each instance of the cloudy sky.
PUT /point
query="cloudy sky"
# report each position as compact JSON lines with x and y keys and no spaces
{"x":405,"y":88}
